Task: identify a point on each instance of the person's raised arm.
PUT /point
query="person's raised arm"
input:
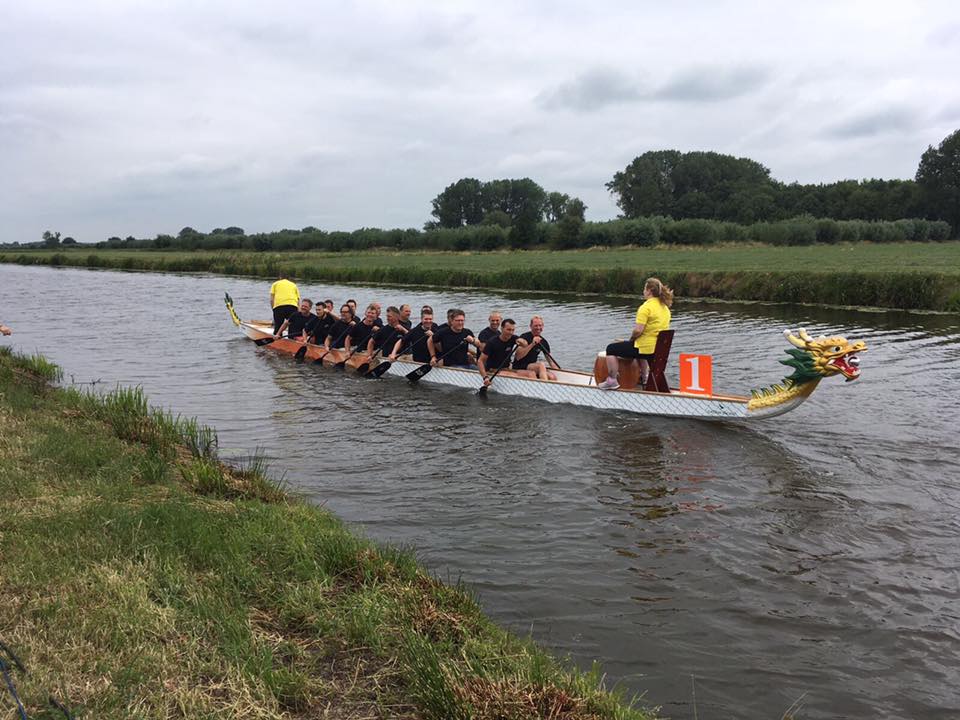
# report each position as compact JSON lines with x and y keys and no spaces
{"x":283,"y":327}
{"x":524,"y":349}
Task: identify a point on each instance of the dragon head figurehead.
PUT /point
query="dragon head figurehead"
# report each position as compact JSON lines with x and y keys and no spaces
{"x":817,"y":358}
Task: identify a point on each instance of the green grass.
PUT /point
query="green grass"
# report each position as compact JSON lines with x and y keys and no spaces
{"x":143,"y":578}
{"x":856,"y":257}
{"x":899,"y":275}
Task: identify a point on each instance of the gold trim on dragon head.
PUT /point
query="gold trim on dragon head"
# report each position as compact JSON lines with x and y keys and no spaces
{"x":829,"y":355}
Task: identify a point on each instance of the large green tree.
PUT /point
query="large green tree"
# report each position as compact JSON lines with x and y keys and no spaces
{"x":461,"y":203}
{"x":938,"y":178}
{"x":694,"y":185}
{"x":471,"y":202}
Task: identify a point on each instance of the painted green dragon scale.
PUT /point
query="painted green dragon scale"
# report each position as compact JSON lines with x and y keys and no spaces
{"x":803,"y":366}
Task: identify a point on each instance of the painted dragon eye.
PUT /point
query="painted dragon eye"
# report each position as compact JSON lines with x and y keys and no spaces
{"x":837,"y":348}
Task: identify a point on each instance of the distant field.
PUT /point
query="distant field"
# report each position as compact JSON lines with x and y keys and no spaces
{"x":898,"y":275}
{"x":860,"y":257}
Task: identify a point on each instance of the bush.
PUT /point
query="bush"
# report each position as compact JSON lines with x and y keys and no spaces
{"x":828,"y":231}
{"x":643,"y":232}
{"x":939,"y":231}
{"x":690,"y":232}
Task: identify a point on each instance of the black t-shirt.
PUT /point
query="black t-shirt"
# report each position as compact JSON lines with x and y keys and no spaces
{"x":321,"y":328}
{"x":486,"y":334}
{"x":497,"y":351}
{"x":298,"y":322}
{"x":378,"y":322}
{"x":337,"y":330}
{"x":451,"y":342}
{"x":406,"y":323}
{"x":530,"y":357}
{"x":361,"y":333}
{"x":416,"y":339}
{"x":385,"y":339}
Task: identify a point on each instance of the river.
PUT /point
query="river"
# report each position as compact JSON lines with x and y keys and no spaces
{"x":722,"y":570}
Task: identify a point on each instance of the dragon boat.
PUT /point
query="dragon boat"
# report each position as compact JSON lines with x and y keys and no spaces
{"x":812,"y":360}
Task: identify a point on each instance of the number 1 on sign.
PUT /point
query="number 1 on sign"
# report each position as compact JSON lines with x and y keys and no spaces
{"x":696,"y":374}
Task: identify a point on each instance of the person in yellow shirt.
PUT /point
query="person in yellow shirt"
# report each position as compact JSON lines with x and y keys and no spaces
{"x":284,"y":299}
{"x":652,"y":317}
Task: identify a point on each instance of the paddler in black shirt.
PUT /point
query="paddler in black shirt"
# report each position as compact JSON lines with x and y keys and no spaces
{"x":405,"y":312}
{"x":415,"y":341}
{"x":453,"y":340}
{"x":492,"y":330}
{"x":497,"y":350}
{"x":527,"y":359}
{"x":443,"y":326}
{"x":339,"y":329}
{"x":299,"y":326}
{"x":322,"y":324}
{"x":386,"y":337}
{"x":360,"y":333}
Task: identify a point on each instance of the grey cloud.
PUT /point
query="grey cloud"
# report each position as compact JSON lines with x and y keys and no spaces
{"x":872,"y":123}
{"x":708,"y":84}
{"x":601,"y":87}
{"x":592,"y":90}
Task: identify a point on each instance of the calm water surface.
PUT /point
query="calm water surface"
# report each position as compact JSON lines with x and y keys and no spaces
{"x":723,"y":570}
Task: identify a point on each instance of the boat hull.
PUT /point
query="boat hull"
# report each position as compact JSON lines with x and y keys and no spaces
{"x":571,"y":388}
{"x":579,"y":389}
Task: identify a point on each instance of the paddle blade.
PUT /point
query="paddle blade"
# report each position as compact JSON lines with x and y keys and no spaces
{"x":264,"y":341}
{"x":379,"y":370}
{"x":363,"y":367}
{"x":482,"y":392}
{"x":415,"y":375}
{"x":299,"y":355}
{"x":342,"y":365}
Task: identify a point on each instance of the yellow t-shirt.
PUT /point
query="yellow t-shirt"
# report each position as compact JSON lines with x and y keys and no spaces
{"x":284,"y":293}
{"x":654,"y":316}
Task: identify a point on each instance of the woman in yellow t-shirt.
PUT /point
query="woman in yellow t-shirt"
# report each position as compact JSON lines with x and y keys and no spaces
{"x":652,"y":317}
{"x":284,"y":299}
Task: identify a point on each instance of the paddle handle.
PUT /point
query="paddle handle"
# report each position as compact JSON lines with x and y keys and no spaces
{"x":506,"y":361}
{"x":551,"y":358}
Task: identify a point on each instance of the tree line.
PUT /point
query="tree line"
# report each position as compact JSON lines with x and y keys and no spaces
{"x":712,"y":186}
{"x":660,"y":193}
{"x":639,"y":232}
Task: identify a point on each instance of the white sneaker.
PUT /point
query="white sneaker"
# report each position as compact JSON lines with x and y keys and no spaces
{"x":609,"y":384}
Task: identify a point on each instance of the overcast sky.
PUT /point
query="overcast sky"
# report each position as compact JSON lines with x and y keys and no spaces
{"x":134,"y":118}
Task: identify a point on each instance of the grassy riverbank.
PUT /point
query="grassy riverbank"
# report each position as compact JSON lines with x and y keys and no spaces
{"x":898,"y":275}
{"x":142,"y":578}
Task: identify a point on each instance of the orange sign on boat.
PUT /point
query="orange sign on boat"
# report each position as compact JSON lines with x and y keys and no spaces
{"x":696,"y":374}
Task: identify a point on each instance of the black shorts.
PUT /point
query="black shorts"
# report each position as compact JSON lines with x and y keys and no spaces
{"x":281,"y":313}
{"x":627,"y":349}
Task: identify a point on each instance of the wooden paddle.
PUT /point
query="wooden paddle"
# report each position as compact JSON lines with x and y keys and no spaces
{"x":380,"y":369}
{"x":415,"y":375}
{"x":551,"y":358}
{"x":482,"y":392}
